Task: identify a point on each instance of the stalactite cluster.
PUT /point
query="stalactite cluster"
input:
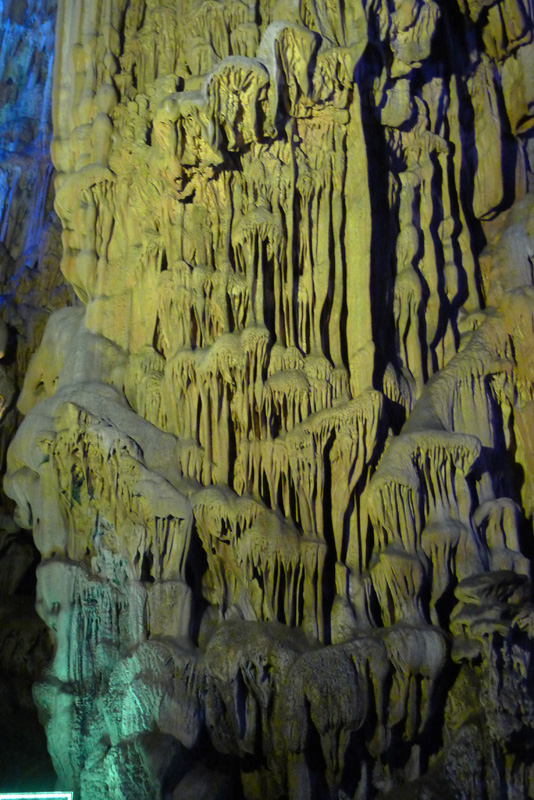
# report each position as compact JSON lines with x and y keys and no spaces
{"x":278,"y":459}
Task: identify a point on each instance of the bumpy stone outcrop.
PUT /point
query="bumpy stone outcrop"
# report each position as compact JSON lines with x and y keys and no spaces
{"x":278,"y":464}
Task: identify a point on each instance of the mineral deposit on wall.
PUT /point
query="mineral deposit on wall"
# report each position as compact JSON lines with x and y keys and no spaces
{"x":280,"y":463}
{"x":31,"y":286}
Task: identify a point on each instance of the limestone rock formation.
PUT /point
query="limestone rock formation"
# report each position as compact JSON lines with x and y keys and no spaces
{"x":31,"y":285}
{"x":278,"y":462}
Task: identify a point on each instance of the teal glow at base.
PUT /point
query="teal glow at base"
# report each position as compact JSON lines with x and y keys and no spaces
{"x":36,"y":796}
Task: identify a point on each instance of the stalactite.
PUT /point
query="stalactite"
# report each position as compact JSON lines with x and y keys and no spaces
{"x":278,"y":467}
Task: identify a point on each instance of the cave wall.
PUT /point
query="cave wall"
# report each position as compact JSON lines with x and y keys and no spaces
{"x":31,"y":286}
{"x":277,"y":459}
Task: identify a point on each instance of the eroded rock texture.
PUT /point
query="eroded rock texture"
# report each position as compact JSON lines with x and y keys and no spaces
{"x":279,"y":465}
{"x":31,"y":285}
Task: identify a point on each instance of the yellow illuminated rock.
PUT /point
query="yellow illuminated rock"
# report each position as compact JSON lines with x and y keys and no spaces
{"x":278,"y":460}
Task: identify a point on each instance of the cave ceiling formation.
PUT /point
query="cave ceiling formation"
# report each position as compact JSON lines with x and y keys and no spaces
{"x":278,"y":459}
